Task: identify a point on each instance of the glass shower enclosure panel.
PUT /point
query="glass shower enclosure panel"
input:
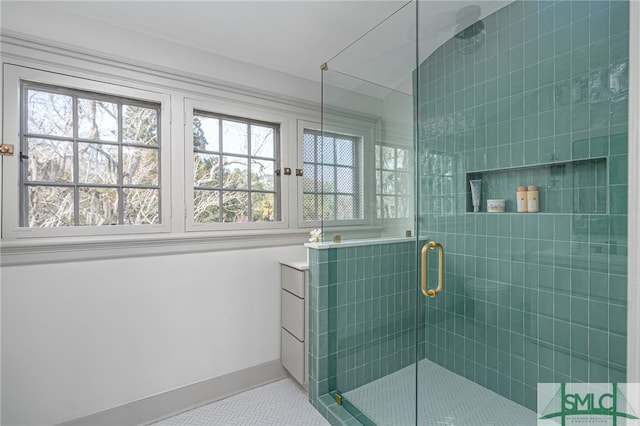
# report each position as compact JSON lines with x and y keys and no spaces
{"x":367,"y":170}
{"x":524,"y":97}
{"x":367,"y":162}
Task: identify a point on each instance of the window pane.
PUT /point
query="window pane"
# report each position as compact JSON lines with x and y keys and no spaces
{"x":235,"y":172}
{"x":141,"y":206}
{"x":140,"y":125}
{"x":50,"y":206}
{"x":392,"y":180}
{"x":388,"y":158}
{"x":206,"y":133}
{"x":139,"y":166}
{"x":206,"y":170}
{"x":337,"y":174}
{"x":309,"y":149}
{"x":388,"y":183}
{"x":97,"y":120}
{"x":402,"y":206}
{"x":50,"y":161}
{"x":262,"y":207}
{"x":327,"y":151}
{"x":98,"y":163}
{"x":248,"y":179}
{"x":98,"y":206}
{"x":328,"y":179}
{"x":49,"y":113}
{"x":262,"y":175}
{"x":402,"y":183}
{"x":328,"y":207}
{"x":235,"y":137}
{"x":345,"y":207}
{"x":310,"y":207}
{"x":235,"y":206}
{"x":402,"y":159}
{"x":389,"y":207}
{"x":96,"y":169}
{"x":262,"y":141}
{"x":206,"y":206}
{"x":344,"y":149}
{"x":345,"y":179}
{"x":309,"y":178}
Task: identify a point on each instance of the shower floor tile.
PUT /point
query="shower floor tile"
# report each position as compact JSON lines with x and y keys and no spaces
{"x":445,"y":399}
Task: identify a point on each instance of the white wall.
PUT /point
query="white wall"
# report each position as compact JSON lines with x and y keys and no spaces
{"x":57,"y":27}
{"x":82,"y":337}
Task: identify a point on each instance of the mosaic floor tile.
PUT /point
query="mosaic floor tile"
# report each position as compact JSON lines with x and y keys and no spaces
{"x":280,"y":403}
{"x":445,"y":399}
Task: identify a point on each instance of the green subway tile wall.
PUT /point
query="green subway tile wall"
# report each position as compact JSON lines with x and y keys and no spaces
{"x":375,"y":308}
{"x":367,"y":301}
{"x":530,"y":297}
{"x":362,"y":315}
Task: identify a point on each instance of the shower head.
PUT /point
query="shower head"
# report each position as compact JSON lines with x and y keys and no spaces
{"x":470,"y":31}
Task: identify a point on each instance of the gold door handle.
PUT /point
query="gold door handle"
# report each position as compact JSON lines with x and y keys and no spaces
{"x":431,"y":245}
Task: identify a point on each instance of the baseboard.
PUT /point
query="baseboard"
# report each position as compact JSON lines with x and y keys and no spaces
{"x":161,"y":406}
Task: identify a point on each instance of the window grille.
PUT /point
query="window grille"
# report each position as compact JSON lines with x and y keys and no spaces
{"x":236,"y":166}
{"x":88,"y":159}
{"x":392,"y":182}
{"x":332,"y":188}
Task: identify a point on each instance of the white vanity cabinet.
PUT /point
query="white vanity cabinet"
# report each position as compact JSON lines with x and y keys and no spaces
{"x":294,"y":318}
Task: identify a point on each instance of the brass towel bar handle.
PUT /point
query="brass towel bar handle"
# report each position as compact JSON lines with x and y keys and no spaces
{"x":431,"y":245}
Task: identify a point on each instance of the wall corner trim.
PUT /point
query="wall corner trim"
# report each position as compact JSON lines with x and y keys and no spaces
{"x":170,"y":403}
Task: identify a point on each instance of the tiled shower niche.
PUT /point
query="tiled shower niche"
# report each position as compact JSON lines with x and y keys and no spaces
{"x":566,"y":187}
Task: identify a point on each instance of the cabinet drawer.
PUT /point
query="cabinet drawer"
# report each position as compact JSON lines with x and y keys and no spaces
{"x":293,"y":314}
{"x":293,"y":280}
{"x":293,"y":356}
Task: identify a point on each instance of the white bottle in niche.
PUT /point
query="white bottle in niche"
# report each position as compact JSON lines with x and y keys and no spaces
{"x":533,"y":199}
{"x":521,"y":200}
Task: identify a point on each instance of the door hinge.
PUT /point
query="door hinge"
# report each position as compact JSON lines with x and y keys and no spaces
{"x":6,"y":149}
{"x":338,"y":399}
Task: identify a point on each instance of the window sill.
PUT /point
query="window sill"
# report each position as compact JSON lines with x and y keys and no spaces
{"x":51,"y":250}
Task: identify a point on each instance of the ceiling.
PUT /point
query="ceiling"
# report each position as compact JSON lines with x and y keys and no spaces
{"x":294,"y":36}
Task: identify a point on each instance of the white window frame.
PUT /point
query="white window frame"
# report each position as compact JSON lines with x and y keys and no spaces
{"x":13,"y":76}
{"x":351,"y":127}
{"x":241,"y":110}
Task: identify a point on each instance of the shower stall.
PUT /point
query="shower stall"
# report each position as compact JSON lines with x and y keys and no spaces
{"x":423,"y":311}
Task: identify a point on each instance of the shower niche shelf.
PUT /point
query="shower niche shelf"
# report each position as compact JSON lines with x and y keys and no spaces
{"x":578,"y":186}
